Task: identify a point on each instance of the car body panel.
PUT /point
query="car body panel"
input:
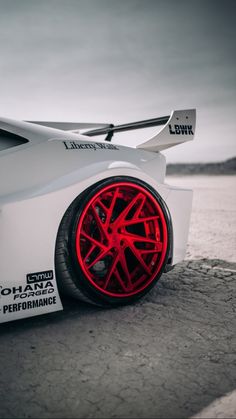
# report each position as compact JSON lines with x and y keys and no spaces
{"x":38,"y":182}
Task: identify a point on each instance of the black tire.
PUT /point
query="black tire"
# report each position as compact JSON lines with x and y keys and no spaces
{"x":113,"y":242}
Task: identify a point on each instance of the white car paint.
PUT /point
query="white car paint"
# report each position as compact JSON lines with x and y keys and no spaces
{"x":38,"y":182}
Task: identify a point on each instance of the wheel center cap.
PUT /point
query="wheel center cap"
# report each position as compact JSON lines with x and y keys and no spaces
{"x":115,"y":240}
{"x":114,"y":237}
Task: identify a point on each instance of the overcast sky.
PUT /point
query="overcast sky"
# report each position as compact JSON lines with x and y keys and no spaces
{"x":121,"y":61}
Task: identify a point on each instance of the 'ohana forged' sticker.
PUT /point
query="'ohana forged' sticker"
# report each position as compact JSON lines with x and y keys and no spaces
{"x":39,"y":291}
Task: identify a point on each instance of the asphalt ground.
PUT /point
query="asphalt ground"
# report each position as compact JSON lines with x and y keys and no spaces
{"x":168,"y":356}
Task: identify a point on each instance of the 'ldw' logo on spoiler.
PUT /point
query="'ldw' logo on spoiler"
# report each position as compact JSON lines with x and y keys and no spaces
{"x":181,"y":129}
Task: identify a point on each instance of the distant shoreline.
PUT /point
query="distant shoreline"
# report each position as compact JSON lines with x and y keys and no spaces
{"x":227,"y":167}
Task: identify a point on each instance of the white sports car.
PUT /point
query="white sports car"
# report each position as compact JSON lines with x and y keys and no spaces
{"x":84,"y":216}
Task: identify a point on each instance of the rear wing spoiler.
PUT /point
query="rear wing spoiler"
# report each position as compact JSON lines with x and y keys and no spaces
{"x":178,"y":128}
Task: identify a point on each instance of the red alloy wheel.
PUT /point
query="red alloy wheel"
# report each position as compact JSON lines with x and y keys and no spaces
{"x":121,"y":239}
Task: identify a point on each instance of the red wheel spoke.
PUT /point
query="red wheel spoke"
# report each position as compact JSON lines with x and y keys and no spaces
{"x":132,"y":238}
{"x":119,"y":279}
{"x":100,"y":203}
{"x":125,"y":212}
{"x":92,"y":240}
{"x":140,"y":220}
{"x":124,"y":266}
{"x":140,"y":206}
{"x":140,"y":259}
{"x":111,"y":271}
{"x":158,"y":248}
{"x":111,"y":208}
{"x":89,"y":252}
{"x":98,"y":258}
{"x":100,"y":224}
